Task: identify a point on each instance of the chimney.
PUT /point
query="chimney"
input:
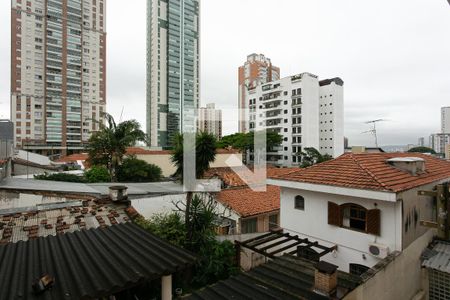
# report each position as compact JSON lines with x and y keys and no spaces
{"x":118,"y":193}
{"x":325,"y":278}
{"x":358,"y":149}
{"x":412,"y":165}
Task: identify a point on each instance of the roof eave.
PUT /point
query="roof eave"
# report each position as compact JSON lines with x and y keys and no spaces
{"x":388,"y":196}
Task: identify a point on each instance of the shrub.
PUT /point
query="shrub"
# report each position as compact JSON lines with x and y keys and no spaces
{"x":61,"y":177}
{"x":136,"y":170}
{"x":97,"y":174}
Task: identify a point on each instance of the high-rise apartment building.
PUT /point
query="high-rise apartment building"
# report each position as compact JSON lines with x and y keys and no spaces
{"x":258,"y":69}
{"x":58,"y":72}
{"x":445,"y":119}
{"x":305,"y":111}
{"x":210,"y":120}
{"x":173,"y":68}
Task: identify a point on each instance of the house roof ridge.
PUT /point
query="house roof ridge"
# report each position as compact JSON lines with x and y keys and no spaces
{"x":374,"y":177}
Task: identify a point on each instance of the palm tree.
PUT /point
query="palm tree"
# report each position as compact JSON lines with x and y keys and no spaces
{"x":205,"y":153}
{"x":108,"y":145}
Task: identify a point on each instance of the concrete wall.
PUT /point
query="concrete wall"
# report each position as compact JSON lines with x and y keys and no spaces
{"x":398,"y":277}
{"x":151,"y":206}
{"x":168,"y":169}
{"x":353,"y":246}
{"x":415,"y":208}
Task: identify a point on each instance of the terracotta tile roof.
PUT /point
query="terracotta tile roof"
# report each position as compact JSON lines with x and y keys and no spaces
{"x":247,"y":202}
{"x":74,"y":214}
{"x":143,"y":151}
{"x":73,"y":158}
{"x":231,"y":179}
{"x":370,"y":171}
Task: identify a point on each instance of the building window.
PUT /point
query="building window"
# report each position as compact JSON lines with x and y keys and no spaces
{"x":299,"y":202}
{"x":357,"y":269}
{"x":249,"y":225}
{"x":273,"y":221}
{"x":354,"y":216}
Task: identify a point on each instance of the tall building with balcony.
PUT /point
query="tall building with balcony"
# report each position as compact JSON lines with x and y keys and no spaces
{"x":258,"y":69}
{"x":173,"y":68}
{"x":445,"y":119}
{"x":210,"y":120}
{"x":58,"y":73}
{"x":305,"y":111}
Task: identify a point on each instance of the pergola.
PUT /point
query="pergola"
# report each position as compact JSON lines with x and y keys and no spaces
{"x":277,"y":242}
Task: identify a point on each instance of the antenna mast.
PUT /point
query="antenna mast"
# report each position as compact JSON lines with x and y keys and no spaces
{"x":374,"y":128}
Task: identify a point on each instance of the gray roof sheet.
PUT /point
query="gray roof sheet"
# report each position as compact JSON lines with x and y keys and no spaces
{"x":286,"y":277}
{"x":438,"y":257}
{"x":89,"y":263}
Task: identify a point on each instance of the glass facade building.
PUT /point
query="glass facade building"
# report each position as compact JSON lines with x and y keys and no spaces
{"x":172,"y":68}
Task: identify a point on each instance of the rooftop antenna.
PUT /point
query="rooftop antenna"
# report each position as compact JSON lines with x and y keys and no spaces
{"x":374,"y":128}
{"x":121,"y":114}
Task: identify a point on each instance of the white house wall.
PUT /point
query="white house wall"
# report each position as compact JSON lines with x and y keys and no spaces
{"x":352,"y":245}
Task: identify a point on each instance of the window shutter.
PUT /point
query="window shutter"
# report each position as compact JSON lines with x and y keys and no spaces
{"x":373,"y":221}
{"x":334,"y":214}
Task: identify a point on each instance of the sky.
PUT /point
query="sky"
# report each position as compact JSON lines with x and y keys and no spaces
{"x":394,"y":57}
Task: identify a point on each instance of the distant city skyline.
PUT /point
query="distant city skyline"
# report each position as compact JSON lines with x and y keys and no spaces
{"x":395,"y":65}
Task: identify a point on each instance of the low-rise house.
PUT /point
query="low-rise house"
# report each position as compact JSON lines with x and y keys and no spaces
{"x":56,"y":244}
{"x":248,"y":211}
{"x":161,"y":158}
{"x":366,"y":204}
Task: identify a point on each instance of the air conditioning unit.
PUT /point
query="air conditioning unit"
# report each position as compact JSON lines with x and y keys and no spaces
{"x":378,"y":250}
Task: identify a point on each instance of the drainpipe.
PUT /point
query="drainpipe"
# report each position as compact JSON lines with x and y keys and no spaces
{"x":166,"y":287}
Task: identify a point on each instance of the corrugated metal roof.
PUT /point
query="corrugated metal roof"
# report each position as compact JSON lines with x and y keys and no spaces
{"x":438,"y":258}
{"x":89,"y":263}
{"x":286,"y":277}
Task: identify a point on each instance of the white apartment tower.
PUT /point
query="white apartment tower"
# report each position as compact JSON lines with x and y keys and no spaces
{"x":258,"y":69}
{"x":445,"y":119}
{"x":173,"y":68}
{"x":305,"y":111}
{"x":210,"y":120}
{"x":58,"y":73}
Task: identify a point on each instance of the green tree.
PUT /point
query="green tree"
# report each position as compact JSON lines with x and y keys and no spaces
{"x":61,"y":177}
{"x":215,"y":259}
{"x":136,"y":170}
{"x":422,"y":150}
{"x":97,"y":174}
{"x":108,"y":145}
{"x":245,"y":141}
{"x":205,"y":154}
{"x":311,"y":156}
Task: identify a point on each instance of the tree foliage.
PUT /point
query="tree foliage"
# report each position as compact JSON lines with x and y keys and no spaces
{"x":108,"y":145}
{"x":97,"y":174}
{"x":422,"y":150}
{"x":205,"y":154}
{"x":61,"y":177}
{"x":245,"y":141}
{"x":136,"y":170}
{"x":215,"y":260}
{"x":311,"y":156}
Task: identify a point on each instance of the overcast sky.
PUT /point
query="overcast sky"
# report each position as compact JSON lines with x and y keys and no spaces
{"x":394,"y":56}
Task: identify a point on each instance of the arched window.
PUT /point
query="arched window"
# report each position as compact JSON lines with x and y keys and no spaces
{"x":299,"y":202}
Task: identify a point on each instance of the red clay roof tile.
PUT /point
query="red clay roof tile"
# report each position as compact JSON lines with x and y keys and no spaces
{"x":369,"y":171}
{"x":247,"y":202}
